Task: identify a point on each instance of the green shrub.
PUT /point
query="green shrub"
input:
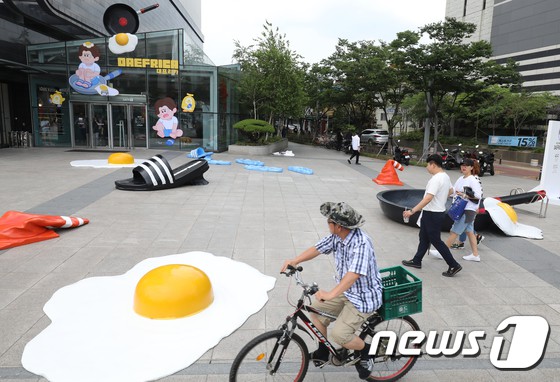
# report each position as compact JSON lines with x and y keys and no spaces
{"x":412,"y":136}
{"x":255,"y":130}
{"x":348,"y":128}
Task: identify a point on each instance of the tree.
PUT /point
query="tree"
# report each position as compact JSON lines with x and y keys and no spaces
{"x":272,"y":76}
{"x":367,"y":79}
{"x":352,"y":70}
{"x":523,"y":107}
{"x":319,"y":88}
{"x":448,"y":66}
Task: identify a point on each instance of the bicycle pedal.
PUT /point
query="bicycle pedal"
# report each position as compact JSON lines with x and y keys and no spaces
{"x":320,"y":363}
{"x":352,"y":362}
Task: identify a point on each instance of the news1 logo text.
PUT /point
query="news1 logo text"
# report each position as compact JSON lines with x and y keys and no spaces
{"x":526,"y":349}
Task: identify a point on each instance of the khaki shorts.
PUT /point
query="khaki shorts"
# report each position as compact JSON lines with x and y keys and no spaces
{"x":348,"y":321}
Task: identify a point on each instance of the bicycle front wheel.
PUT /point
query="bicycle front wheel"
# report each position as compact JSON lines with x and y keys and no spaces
{"x":389,"y":368}
{"x":265,"y":358}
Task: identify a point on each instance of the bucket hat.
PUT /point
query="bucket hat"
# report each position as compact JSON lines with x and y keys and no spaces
{"x":342,"y":214}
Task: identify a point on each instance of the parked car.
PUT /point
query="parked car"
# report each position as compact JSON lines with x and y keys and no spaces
{"x":374,"y":136}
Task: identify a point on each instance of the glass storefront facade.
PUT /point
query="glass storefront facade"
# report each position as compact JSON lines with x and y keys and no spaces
{"x":159,"y":67}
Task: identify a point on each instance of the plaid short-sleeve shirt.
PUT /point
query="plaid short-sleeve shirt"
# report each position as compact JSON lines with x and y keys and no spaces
{"x":355,"y":254}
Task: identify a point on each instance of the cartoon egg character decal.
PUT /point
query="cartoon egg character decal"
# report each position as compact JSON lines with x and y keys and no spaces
{"x":105,"y":90}
{"x":154,"y":320}
{"x":122,"y":43}
{"x":188,"y":104}
{"x":57,"y":98}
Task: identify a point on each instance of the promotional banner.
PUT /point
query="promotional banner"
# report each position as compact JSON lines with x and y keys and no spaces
{"x":550,"y":178}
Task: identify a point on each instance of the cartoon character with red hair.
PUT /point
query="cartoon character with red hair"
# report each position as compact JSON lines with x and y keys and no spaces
{"x":167,"y":123}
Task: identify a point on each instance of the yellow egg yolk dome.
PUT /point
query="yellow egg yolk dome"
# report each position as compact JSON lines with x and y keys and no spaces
{"x":173,"y":291}
{"x":121,"y":39}
{"x":120,"y":158}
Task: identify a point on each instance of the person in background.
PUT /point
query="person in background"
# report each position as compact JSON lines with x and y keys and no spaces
{"x":460,"y":243}
{"x":339,"y":139}
{"x":433,"y":210}
{"x":355,"y":148}
{"x":470,"y":188}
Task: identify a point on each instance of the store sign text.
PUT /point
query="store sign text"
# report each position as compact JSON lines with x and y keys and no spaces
{"x":161,"y":66}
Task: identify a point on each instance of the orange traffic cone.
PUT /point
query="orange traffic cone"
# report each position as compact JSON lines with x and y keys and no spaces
{"x":19,"y":228}
{"x":388,"y":175}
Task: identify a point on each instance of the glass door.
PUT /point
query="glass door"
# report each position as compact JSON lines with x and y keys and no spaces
{"x":100,"y":131}
{"x":109,"y":125}
{"x":80,"y":127}
{"x":119,"y":126}
{"x":139,"y":134}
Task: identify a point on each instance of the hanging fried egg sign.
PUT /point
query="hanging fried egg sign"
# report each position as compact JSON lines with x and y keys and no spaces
{"x":154,"y":320}
{"x":122,"y":43}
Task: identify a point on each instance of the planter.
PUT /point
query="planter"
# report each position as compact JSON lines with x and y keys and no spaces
{"x":259,"y":150}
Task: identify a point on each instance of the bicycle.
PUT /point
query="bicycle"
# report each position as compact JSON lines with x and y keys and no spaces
{"x":282,"y":354}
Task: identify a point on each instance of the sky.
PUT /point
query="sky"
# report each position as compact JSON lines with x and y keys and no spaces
{"x":312,"y":27}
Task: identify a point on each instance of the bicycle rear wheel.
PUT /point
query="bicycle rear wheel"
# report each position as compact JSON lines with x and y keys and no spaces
{"x":257,"y":360}
{"x":389,"y":368}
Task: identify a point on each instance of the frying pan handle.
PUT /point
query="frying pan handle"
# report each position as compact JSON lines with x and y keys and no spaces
{"x":113,"y":74}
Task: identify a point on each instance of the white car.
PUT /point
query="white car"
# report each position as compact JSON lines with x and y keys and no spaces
{"x":374,"y":136}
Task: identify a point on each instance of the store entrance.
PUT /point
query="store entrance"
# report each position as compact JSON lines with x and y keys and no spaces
{"x":109,"y":125}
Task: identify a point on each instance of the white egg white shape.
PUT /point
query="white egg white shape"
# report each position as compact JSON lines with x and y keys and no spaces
{"x":96,"y":335}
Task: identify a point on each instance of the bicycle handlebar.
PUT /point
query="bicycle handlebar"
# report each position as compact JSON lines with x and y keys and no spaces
{"x":308,"y":289}
{"x":291,"y":270}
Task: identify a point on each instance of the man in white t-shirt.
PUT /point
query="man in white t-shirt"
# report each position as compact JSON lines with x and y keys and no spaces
{"x":433,"y":210}
{"x":355,"y":148}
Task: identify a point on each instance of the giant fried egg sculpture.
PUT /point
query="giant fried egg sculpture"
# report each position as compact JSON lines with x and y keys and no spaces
{"x":150,"y":322}
{"x":505,"y":217}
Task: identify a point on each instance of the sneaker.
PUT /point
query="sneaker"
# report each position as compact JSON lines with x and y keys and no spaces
{"x":459,"y":245}
{"x":479,"y":239}
{"x":472,"y":257}
{"x":452,"y":271}
{"x":435,"y":253}
{"x":349,"y":161}
{"x":358,"y":163}
{"x":320,"y":357}
{"x":411,"y":263}
{"x":364,"y":367}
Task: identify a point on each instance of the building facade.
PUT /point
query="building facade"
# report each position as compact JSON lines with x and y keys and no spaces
{"x":39,"y":93}
{"x":525,"y":31}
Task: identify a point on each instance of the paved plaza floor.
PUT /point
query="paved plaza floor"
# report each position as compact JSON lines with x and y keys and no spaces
{"x":263,"y":218}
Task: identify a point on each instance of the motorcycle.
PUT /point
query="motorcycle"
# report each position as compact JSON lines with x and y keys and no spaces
{"x":454,"y":158}
{"x":473,"y":154}
{"x":449,"y":159}
{"x":486,"y":161}
{"x":401,"y":155}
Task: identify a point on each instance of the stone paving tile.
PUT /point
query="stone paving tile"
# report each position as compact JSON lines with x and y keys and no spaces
{"x":263,"y":219}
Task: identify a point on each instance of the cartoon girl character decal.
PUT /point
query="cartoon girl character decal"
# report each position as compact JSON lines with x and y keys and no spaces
{"x":167,"y":123}
{"x":88,"y":70}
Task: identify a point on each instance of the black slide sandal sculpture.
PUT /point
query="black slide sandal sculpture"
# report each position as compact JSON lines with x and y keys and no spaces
{"x":156,"y":174}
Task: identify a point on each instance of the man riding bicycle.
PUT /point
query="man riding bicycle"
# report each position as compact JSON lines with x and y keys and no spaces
{"x":358,"y":293}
